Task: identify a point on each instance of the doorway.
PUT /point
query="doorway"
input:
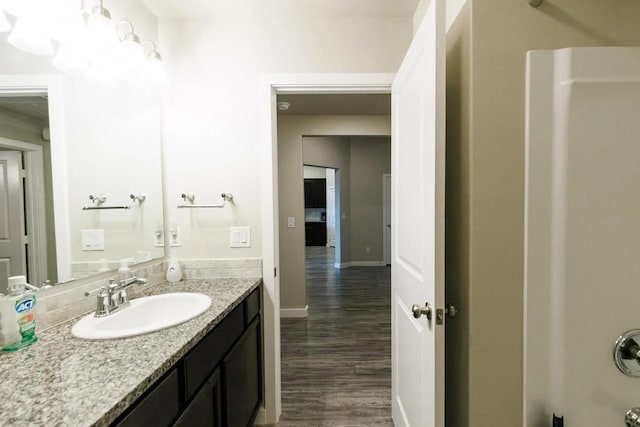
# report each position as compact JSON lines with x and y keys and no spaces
{"x":270,"y":87}
{"x":27,"y":191}
{"x":356,"y":148}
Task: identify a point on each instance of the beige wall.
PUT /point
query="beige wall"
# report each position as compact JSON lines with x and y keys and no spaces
{"x":370,"y":160}
{"x":486,"y":180}
{"x":291,"y":130}
{"x":457,"y":217}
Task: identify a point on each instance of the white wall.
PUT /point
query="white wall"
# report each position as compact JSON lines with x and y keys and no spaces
{"x":114,"y":149}
{"x":315,"y":172}
{"x":211,"y":111}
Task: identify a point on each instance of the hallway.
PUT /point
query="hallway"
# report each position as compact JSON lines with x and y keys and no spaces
{"x":336,"y":364}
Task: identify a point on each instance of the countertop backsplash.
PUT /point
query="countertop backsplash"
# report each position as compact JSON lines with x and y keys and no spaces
{"x":54,"y":307}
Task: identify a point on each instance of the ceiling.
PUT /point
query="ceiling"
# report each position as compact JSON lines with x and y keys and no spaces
{"x":339,"y":104}
{"x":282,"y":8}
{"x":27,"y":106}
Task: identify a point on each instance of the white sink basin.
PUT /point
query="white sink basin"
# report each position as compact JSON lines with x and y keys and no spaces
{"x":144,"y":315}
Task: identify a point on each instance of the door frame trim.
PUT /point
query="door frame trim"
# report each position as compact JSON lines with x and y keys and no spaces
{"x":270,"y":86}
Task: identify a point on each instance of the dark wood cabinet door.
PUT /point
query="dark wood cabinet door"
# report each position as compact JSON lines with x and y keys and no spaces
{"x":242,"y":374}
{"x":315,"y":233}
{"x":315,"y":193}
{"x":158,"y":407}
{"x":205,"y":410}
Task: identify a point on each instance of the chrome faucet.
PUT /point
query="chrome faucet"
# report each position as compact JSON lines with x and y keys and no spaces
{"x":113,"y":297}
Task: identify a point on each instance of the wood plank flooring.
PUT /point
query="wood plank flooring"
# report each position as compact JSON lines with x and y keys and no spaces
{"x":336,"y":364}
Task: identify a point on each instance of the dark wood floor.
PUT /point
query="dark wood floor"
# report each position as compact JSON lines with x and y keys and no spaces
{"x":336,"y":364}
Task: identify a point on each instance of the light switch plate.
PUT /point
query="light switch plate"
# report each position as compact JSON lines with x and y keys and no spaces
{"x":239,"y":237}
{"x":158,"y":238}
{"x":291,"y":222}
{"x":93,"y":240}
{"x":174,"y":237}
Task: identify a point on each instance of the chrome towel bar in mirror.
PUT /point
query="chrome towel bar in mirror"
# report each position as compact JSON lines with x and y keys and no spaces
{"x":190,"y":197}
{"x":98,"y":200}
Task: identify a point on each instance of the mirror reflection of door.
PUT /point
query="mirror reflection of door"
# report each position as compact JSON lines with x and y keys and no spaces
{"x":12,"y":249}
{"x":26,"y":208}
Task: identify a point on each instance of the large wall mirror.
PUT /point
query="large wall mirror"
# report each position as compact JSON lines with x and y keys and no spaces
{"x":80,"y":173}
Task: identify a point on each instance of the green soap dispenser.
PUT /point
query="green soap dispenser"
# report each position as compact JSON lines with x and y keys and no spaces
{"x":17,"y":316}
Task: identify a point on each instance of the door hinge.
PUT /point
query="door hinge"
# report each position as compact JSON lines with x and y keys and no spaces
{"x":450,"y":311}
{"x":275,"y":271}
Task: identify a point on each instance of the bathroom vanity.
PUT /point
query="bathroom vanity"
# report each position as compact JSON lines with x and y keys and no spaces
{"x":207,"y":371}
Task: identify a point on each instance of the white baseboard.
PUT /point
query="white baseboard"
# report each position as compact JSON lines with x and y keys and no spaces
{"x":294,"y":312}
{"x":360,"y":264}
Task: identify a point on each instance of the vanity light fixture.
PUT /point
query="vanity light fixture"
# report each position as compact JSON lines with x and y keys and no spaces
{"x":30,"y":36}
{"x":101,"y":30}
{"x":84,"y":44}
{"x":131,"y":50}
{"x":5,"y":25}
{"x":154,"y":68}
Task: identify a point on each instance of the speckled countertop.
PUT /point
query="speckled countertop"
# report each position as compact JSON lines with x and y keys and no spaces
{"x":64,"y":381}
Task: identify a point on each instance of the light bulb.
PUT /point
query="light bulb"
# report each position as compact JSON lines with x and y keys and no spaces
{"x":131,"y":51}
{"x":29,"y":36}
{"x":154,"y":70}
{"x":5,"y":25}
{"x":72,"y":59}
{"x":100,"y":29}
{"x":70,"y":27}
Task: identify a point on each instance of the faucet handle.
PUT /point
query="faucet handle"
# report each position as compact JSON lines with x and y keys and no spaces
{"x":102,"y":302}
{"x":101,"y":291}
{"x":132,"y":280}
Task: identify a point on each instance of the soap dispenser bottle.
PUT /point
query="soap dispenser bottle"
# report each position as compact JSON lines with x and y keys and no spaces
{"x":17,"y":316}
{"x":124,"y":272}
{"x":174,"y":272}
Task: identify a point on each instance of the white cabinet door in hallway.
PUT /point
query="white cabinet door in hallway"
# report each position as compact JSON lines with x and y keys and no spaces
{"x":418,"y":126}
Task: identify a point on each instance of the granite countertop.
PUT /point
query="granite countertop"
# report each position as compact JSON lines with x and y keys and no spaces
{"x":64,"y":381}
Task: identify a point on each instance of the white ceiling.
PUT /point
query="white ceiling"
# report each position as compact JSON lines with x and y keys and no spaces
{"x":282,"y":8}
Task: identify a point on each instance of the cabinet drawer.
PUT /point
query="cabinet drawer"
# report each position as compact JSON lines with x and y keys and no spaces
{"x":251,"y":306}
{"x":158,"y":408}
{"x":202,"y":360}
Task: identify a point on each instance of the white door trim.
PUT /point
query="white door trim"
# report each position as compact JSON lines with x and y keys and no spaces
{"x":53,"y":86}
{"x":270,"y":85}
{"x":35,"y":216}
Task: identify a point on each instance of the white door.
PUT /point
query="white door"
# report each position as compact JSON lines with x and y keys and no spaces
{"x":331,"y":217}
{"x":418,"y":126}
{"x":12,"y":249}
